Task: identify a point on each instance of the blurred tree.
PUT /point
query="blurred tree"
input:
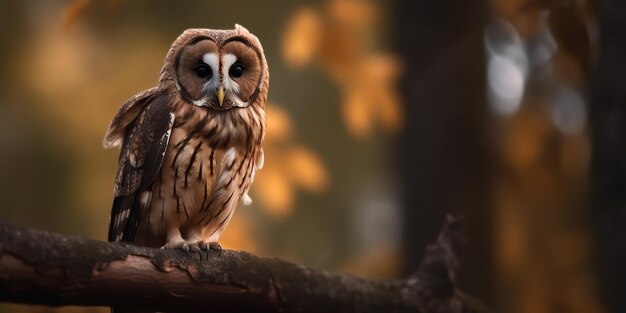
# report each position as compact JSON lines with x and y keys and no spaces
{"x":608,"y":124}
{"x":444,"y":158}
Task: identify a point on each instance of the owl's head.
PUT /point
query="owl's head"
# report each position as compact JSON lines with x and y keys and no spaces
{"x":217,"y":69}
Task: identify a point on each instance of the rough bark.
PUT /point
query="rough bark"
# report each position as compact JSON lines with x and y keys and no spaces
{"x":39,"y":267}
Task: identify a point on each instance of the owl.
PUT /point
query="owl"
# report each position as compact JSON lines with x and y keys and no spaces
{"x":190,"y":147}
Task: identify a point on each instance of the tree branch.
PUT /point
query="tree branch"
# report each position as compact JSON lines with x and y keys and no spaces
{"x":39,"y":267}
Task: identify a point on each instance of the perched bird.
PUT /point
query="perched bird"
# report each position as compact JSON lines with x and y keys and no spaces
{"x":190,"y":146}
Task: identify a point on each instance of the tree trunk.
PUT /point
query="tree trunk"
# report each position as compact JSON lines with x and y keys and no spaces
{"x":608,"y":126}
{"x":444,"y":154}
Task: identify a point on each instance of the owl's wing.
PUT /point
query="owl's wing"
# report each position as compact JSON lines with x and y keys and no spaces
{"x":127,"y":114}
{"x":143,"y":150}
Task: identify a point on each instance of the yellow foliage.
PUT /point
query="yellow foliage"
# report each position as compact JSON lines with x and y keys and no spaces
{"x":279,"y":126}
{"x":74,"y":12}
{"x":306,"y":169}
{"x":357,"y":13}
{"x":302,"y":37}
{"x":288,"y":166}
{"x":338,"y":36}
{"x":356,"y":113}
{"x":274,"y":191}
{"x":77,"y":9}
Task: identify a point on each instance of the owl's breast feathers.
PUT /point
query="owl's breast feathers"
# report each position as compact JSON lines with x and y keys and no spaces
{"x":209,"y":165}
{"x":181,"y":166}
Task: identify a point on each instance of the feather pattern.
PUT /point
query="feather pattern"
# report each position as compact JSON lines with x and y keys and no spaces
{"x":188,"y":153}
{"x":126,"y":115}
{"x":142,"y":153}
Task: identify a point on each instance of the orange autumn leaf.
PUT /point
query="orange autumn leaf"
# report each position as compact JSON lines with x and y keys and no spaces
{"x":274,"y":191}
{"x":359,"y":13}
{"x":306,"y":169}
{"x":301,"y":37}
{"x":376,"y":81}
{"x":289,"y":166}
{"x":279,"y":126}
{"x":389,"y":110}
{"x":348,"y":54}
{"x":74,"y":12}
{"x":356,"y":113}
{"x":77,"y":9}
{"x":381,"y":68}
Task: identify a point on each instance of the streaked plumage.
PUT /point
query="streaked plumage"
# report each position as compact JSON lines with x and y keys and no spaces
{"x":191,"y":145}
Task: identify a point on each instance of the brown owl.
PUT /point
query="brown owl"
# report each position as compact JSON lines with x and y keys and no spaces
{"x":190,"y":147}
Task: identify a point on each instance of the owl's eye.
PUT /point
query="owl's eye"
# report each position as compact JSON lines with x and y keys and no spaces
{"x":236,"y":70}
{"x":203,"y":71}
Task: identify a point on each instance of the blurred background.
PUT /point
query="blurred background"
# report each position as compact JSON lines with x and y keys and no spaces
{"x":384,"y":116}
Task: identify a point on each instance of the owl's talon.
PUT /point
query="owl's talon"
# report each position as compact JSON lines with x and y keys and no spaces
{"x":204,"y":246}
{"x":194,"y":247}
{"x":183,"y":245}
{"x":215,"y":246}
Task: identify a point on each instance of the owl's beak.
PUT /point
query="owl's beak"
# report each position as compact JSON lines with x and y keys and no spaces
{"x":220,"y":95}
